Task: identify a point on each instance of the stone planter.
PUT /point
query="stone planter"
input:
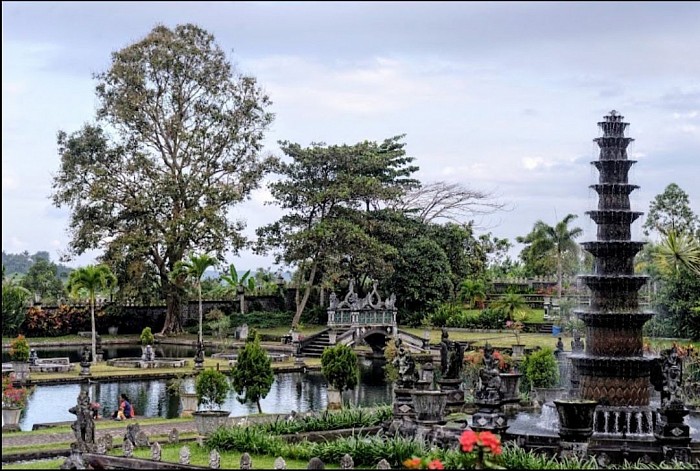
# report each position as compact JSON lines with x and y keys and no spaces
{"x":575,"y":418}
{"x":518,"y":350}
{"x":112,"y":330}
{"x":189,"y":403}
{"x":209,"y":420}
{"x":10,"y":417}
{"x":511,"y":386}
{"x":335,"y":399}
{"x":429,"y":406}
{"x":21,"y":370}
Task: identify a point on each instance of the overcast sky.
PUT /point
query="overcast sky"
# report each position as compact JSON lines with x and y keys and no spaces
{"x":502,"y":97}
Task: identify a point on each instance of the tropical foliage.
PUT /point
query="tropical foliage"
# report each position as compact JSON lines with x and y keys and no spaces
{"x":92,"y":279}
{"x":14,"y":306}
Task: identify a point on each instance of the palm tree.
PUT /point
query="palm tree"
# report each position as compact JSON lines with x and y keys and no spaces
{"x":237,"y":284}
{"x":92,"y":278}
{"x":194,"y":269}
{"x":472,"y":292}
{"x":558,"y":240}
{"x":676,"y":251}
{"x":513,"y":304}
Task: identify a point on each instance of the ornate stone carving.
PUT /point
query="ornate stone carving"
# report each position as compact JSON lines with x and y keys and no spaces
{"x":184,"y":455}
{"x":316,"y":463}
{"x":383,"y":464}
{"x":128,"y":449}
{"x":174,"y":436}
{"x":245,"y":462}
{"x":490,"y":386}
{"x":405,"y":365}
{"x":279,"y":463}
{"x":214,"y":459}
{"x":155,"y":451}
{"x":346,"y":462}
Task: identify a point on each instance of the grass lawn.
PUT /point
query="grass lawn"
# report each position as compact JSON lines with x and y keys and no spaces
{"x":41,"y":464}
{"x":229,"y":460}
{"x":502,"y":340}
{"x":105,"y":424}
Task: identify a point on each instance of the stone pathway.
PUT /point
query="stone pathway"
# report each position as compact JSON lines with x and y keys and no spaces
{"x":119,"y":429}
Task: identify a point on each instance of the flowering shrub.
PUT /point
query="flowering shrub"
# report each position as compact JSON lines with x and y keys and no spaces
{"x":515,"y":327}
{"x":12,"y":396}
{"x":479,"y":450}
{"x":19,"y":349}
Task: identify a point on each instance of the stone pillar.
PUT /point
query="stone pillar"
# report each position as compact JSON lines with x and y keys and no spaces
{"x":455,"y":394}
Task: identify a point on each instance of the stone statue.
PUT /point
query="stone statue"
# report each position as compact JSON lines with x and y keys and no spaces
{"x":245,"y":462}
{"x":33,"y":357}
{"x":333,"y":301}
{"x":346,"y":462}
{"x":214,"y":459}
{"x":451,"y":357}
{"x":577,"y":343}
{"x":279,"y":463}
{"x":490,"y":387}
{"x":672,"y":392}
{"x":148,"y":354}
{"x":560,"y":348}
{"x":85,"y":356}
{"x":199,"y":355}
{"x":406,"y":367}
{"x":184,"y":455}
{"x":84,"y":425}
{"x":155,"y":451}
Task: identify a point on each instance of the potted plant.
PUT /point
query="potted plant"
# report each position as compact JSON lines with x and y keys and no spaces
{"x":19,"y":356}
{"x":575,"y":418}
{"x":516,"y":326}
{"x":14,"y":400}
{"x":211,"y":388}
{"x":339,"y":366}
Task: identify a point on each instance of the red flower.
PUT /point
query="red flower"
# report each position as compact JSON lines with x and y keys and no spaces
{"x":491,"y":441}
{"x":435,"y":464}
{"x":468,"y":440}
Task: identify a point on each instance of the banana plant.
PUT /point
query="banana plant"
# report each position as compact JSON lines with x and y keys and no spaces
{"x":237,"y":284}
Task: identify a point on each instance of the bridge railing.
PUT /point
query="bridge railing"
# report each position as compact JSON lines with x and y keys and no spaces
{"x":363,"y":317}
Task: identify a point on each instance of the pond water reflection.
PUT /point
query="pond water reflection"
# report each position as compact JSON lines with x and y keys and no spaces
{"x":301,"y":392}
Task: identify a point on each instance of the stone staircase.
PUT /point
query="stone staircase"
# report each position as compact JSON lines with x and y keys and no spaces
{"x":315,"y":348}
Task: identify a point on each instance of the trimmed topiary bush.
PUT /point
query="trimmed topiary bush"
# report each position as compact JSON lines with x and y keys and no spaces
{"x":541,"y":368}
{"x":339,"y":366}
{"x":147,"y":337}
{"x":252,"y":376}
{"x":211,"y":388}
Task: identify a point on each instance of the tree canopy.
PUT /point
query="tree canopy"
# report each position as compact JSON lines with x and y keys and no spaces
{"x":176,"y":144}
{"x":670,"y":211}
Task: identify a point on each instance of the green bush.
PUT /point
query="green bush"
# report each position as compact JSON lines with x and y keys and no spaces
{"x":147,"y":337}
{"x":541,"y":369}
{"x":14,"y":307}
{"x":339,"y":366}
{"x":326,"y":420}
{"x":19,"y":349}
{"x":211,"y":388}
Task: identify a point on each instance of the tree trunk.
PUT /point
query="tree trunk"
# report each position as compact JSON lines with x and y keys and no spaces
{"x":94,"y":338}
{"x":305,"y":298}
{"x":173,"y":321}
{"x":199,"y":293}
{"x":559,"y":276}
{"x":259,"y":408}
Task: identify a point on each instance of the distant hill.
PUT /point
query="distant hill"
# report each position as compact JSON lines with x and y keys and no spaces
{"x":20,"y":263}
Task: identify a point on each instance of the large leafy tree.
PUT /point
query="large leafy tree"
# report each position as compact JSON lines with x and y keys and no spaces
{"x":193,"y":269}
{"x":42,"y":279}
{"x":670,"y":211}
{"x":329,"y":194}
{"x":176,"y":145}
{"x":93,"y":279}
{"x":252,"y":376}
{"x":547,"y":244}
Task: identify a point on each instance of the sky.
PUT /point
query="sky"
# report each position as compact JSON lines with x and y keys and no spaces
{"x":501,"y":97}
